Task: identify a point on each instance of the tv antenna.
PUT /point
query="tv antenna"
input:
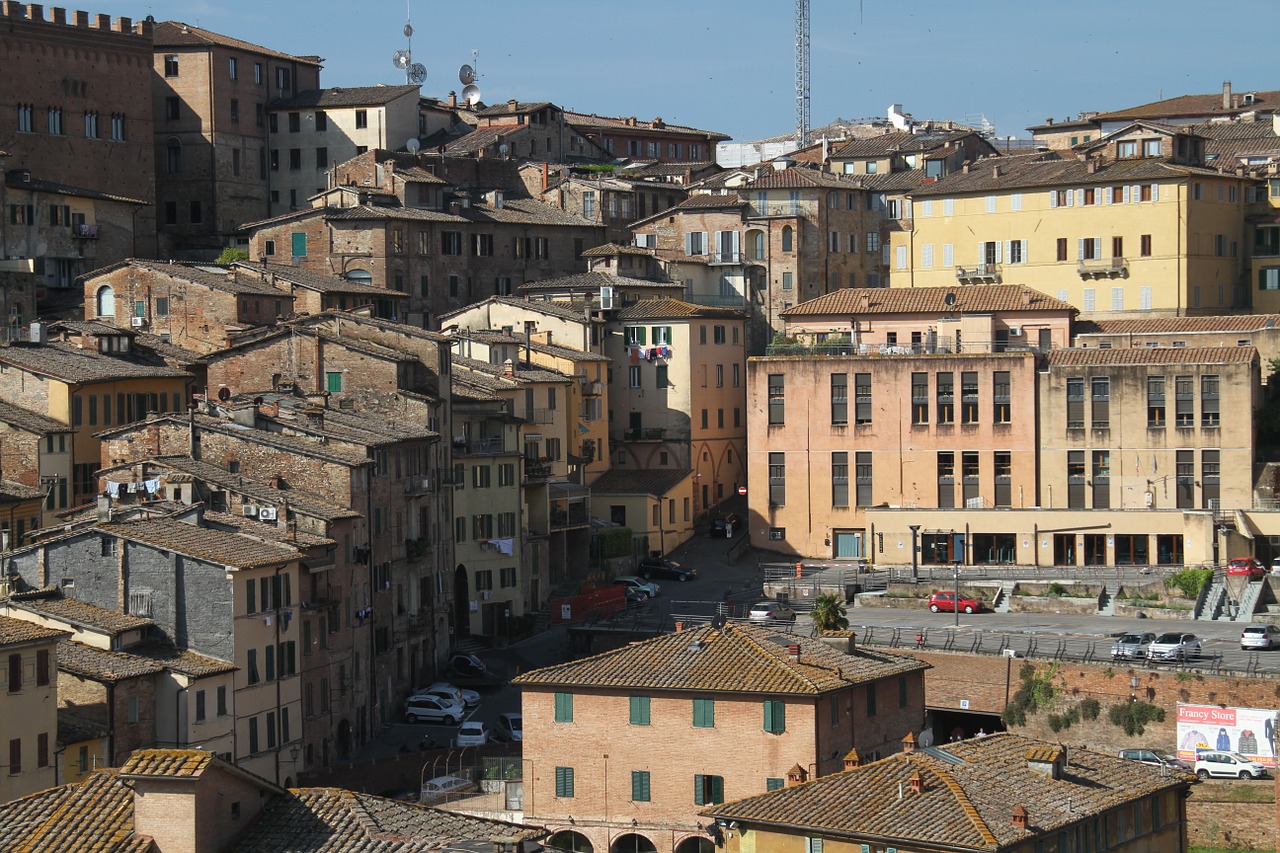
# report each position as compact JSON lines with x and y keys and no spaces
{"x":414,"y":72}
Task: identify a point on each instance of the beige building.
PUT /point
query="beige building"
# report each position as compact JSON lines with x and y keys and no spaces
{"x":29,"y":707}
{"x":655,"y":504}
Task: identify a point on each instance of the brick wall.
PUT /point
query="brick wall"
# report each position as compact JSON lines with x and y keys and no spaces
{"x":1235,"y":826}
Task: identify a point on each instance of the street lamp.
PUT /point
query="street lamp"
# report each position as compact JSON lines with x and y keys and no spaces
{"x":956,"y":603}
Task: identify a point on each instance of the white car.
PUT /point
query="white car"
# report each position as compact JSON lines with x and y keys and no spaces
{"x":472,"y":733}
{"x":510,"y":726}
{"x":434,"y":709}
{"x":467,"y":698}
{"x":1174,"y":646}
{"x":649,"y":588}
{"x":1230,"y":765}
{"x":1260,"y":637}
{"x":771,"y":611}
{"x":438,"y":789}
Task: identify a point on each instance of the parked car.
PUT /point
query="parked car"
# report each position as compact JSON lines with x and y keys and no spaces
{"x":947,"y":601}
{"x":1174,"y":646}
{"x":438,"y":789}
{"x":1275,"y":566}
{"x":472,"y":733}
{"x":1229,"y":765}
{"x":1154,"y":757}
{"x":468,"y":666}
{"x":464,"y":697}
{"x":639,"y":584}
{"x":1129,"y":646}
{"x":635,"y":596}
{"x":1246,"y":566}
{"x":1259,"y":637}
{"x":510,"y":726}
{"x":666,"y":569}
{"x":771,"y":611}
{"x":432,"y":709}
{"x":726,"y":525}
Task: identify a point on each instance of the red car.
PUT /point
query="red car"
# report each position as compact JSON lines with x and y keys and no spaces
{"x":1246,"y":566}
{"x":947,"y":601}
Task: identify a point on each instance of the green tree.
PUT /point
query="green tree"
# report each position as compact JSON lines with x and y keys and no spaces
{"x":828,"y":613}
{"x":231,"y":254}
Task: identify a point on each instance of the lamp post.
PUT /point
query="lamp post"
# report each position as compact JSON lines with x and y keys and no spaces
{"x":956,"y":602}
{"x":915,"y":553}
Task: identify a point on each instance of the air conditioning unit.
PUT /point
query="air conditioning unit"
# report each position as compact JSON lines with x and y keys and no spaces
{"x":249,"y":510}
{"x":267,"y":513}
{"x":137,"y":322}
{"x":1015,"y":331}
{"x":425,"y":485}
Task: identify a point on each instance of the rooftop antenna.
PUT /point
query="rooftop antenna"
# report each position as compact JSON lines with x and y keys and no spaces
{"x":802,"y":73}
{"x":467,"y":76}
{"x":414,"y":72}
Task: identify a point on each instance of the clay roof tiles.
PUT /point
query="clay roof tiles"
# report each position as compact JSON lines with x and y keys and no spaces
{"x":621,"y":481}
{"x":203,"y":543}
{"x":594,"y":280}
{"x":20,"y":631}
{"x":98,"y":664}
{"x":69,"y":363}
{"x":1193,"y":105}
{"x":29,"y":421}
{"x":666,"y":308}
{"x":1164,"y":325}
{"x":78,"y":613}
{"x":740,"y":658}
{"x":931,"y":300}
{"x":347,"y":96}
{"x":179,"y":34}
{"x":1151,"y":355}
{"x":1047,"y":169}
{"x":618,"y":123}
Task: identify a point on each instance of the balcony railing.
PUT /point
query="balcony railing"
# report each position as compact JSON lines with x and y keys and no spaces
{"x":785,"y":208}
{"x":540,"y":416}
{"x":575,"y":515}
{"x":536,"y":471}
{"x":1103,"y":268}
{"x":981,"y":274}
{"x":641,"y":434}
{"x":84,"y":231}
{"x":725,"y":258}
{"x":591,"y":388}
{"x":493,"y":444}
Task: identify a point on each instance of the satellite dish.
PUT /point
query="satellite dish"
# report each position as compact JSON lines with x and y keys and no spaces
{"x":412,"y":145}
{"x":503,"y":149}
{"x":401,"y":59}
{"x":466,"y":75}
{"x":471,"y":94}
{"x":719,"y":621}
{"x":408,"y":30}
{"x":417,"y":72}
{"x":949,"y":300}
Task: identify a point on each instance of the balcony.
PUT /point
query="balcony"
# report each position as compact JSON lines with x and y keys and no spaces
{"x":799,"y":208}
{"x":640,"y":434}
{"x":1103,"y":268}
{"x":735,"y":300}
{"x":981,"y":274}
{"x":84,"y":231}
{"x":417,"y":486}
{"x":574,"y":515}
{"x":590,"y":388}
{"x":724,"y":258}
{"x":540,"y":416}
{"x":536,"y":472}
{"x":491,"y":445}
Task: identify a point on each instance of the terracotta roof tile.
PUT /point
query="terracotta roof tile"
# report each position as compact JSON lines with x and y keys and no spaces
{"x":94,"y":816}
{"x":593,"y":281}
{"x":69,"y":363}
{"x":183,"y":661}
{"x":665,"y":308}
{"x":1151,"y":355}
{"x":1194,"y":105}
{"x":899,"y":142}
{"x":203,"y":543}
{"x":654,"y":481}
{"x":260,"y":493}
{"x":312,"y":280}
{"x":167,"y":763}
{"x":14,"y":631}
{"x":1164,"y":325}
{"x":595,"y":121}
{"x":101,"y":665}
{"x":740,"y":658}
{"x":563,"y":310}
{"x":348,"y":96}
{"x":179,"y":34}
{"x":926,"y":300}
{"x":80,"y":614}
{"x":33,"y":422}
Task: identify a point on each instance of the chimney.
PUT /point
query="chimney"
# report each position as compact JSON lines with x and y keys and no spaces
{"x":546,"y":175}
{"x":679,"y":625}
{"x":1046,"y":760}
{"x":511,"y":104}
{"x":864,"y":301}
{"x":852,"y":759}
{"x":1049,"y":121}
{"x":104,"y":510}
{"x":1091,"y":165}
{"x":793,"y":652}
{"x":508,"y":368}
{"x":996,"y":171}
{"x":1026,"y":297}
{"x":1020,"y":817}
{"x":917,"y":784}
{"x":1226,"y":95}
{"x":453,"y":99}
{"x":909,"y":743}
{"x":797,"y":775}
{"x":965,"y":167}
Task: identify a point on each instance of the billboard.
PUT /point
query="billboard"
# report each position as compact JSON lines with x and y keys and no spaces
{"x":1248,"y":731}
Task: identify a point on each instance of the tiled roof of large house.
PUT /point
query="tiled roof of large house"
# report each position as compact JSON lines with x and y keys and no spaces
{"x":97,"y":664}
{"x":666,"y":308}
{"x":312,"y":280}
{"x":483,"y":137}
{"x":709,"y":201}
{"x":68,"y":362}
{"x":897,"y":142}
{"x":652,"y":481}
{"x":14,"y":491}
{"x":1174,"y":325}
{"x":511,"y":108}
{"x":802,"y":177}
{"x":966,"y":799}
{"x":1047,"y":169}
{"x":21,"y":631}
{"x":280,"y":441}
{"x":591,"y":282}
{"x":37,"y":185}
{"x":928,"y":300}
{"x":204,"y":543}
{"x":81,"y":614}
{"x":183,"y":661}
{"x":29,"y":421}
{"x":338,"y":97}
{"x":180,"y":34}
{"x":655,"y":126}
{"x":1151,"y":355}
{"x":562,"y":310}
{"x":166,"y":763}
{"x":355,"y":428}
{"x":1185,"y":106}
{"x":93,"y":816}
{"x":212,"y":276}
{"x":521,"y":372}
{"x":609,"y":250}
{"x":738,"y":658}
{"x":490,"y":336}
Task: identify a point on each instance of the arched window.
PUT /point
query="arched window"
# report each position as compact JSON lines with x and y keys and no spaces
{"x":173,"y":155}
{"x":360,"y":276}
{"x":106,"y":301}
{"x":788,"y":237}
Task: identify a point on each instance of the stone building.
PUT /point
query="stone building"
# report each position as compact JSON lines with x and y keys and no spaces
{"x":29,"y":722}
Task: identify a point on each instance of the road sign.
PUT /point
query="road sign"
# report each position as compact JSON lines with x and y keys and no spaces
{"x":742,"y":490}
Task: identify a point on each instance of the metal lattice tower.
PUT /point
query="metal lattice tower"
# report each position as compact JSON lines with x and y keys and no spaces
{"x":802,"y":73}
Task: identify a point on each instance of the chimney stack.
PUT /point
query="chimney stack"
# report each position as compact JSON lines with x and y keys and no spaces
{"x":1020,"y":817}
{"x":796,"y":776}
{"x":793,"y":652}
{"x":909,"y":743}
{"x":1026,"y":297}
{"x":1226,"y":95}
{"x":852,"y":759}
{"x":917,"y":784}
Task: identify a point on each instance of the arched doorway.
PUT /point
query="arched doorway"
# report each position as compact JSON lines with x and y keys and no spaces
{"x":633,"y":842}
{"x":574,"y":842}
{"x":696,"y":844}
{"x":461,"y":603}
{"x":344,"y":740}
{"x":106,"y":301}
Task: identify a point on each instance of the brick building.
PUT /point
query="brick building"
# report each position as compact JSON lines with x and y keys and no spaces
{"x":760,"y":703}
{"x":211,"y":137}
{"x":1000,"y":793}
{"x":35,"y":451}
{"x":80,"y":170}
{"x":646,"y":140}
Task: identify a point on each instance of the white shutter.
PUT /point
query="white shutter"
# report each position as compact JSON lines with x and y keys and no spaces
{"x":948,"y":255}
{"x":1155,"y":192}
{"x":1097,"y":247}
{"x":906,"y":208}
{"x":926,"y":256}
{"x":1106,"y":195}
{"x":1016,"y":201}
{"x":688,"y":243}
{"x":982,"y":253}
{"x":1025,"y":255}
{"x":900,"y":259}
{"x":1126,"y":195}
{"x":1079,"y":198}
{"x":1000,"y":254}
{"x":1080,"y":250}
{"x":1136,"y":195}
{"x":737,"y":243}
{"x":1053,"y":198}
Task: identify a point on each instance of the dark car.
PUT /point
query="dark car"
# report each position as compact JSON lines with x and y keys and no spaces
{"x":726,"y":526}
{"x":666,"y":569}
{"x":1155,"y":757}
{"x":468,"y":666}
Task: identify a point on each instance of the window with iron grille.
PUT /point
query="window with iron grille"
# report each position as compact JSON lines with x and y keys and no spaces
{"x":777,"y":479}
{"x":1003,"y":460}
{"x":1209,"y":417}
{"x":1210,"y":477}
{"x":919,"y":398}
{"x":1101,"y":479}
{"x":970,"y":468}
{"x":840,"y":478}
{"x":839,"y":398}
{"x":1155,"y":402}
{"x":1186,"y":477}
{"x":862,"y":393}
{"x":1075,"y":402}
{"x":946,"y":399}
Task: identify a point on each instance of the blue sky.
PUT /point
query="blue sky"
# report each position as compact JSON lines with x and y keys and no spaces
{"x":729,"y":66}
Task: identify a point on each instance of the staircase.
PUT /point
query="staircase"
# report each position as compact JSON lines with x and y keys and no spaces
{"x":1004,"y":598}
{"x":1214,"y":602}
{"x":1249,"y":602}
{"x":1107,"y":599}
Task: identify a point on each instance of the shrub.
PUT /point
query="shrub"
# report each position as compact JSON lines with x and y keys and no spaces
{"x":615,"y":542}
{"x":1090,"y":708}
{"x":1058,"y":722}
{"x":1189,"y":582}
{"x":1134,"y":716}
{"x":1057,"y":589}
{"x":231,"y":254}
{"x":1035,"y":693}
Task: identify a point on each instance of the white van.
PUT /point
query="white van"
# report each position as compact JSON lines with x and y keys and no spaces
{"x":438,"y":789}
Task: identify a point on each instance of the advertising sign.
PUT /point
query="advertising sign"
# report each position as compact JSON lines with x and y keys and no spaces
{"x":1248,"y":731}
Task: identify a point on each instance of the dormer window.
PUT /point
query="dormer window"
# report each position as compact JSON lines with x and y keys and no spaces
{"x":1127,"y":148}
{"x":1151,"y":148}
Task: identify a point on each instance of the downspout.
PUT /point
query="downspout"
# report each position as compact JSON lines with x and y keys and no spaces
{"x":213,"y":154}
{"x":277,"y":587}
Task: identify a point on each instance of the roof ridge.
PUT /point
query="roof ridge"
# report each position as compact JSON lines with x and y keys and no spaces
{"x":774,"y":660}
{"x":961,"y":797}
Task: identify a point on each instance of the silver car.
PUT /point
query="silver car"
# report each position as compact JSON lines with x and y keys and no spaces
{"x":1174,"y":646}
{"x":771,"y":611}
{"x":1259,"y":637}
{"x":1128,"y":646}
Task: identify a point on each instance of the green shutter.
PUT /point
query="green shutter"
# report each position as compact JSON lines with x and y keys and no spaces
{"x":564,"y":782}
{"x":775,"y":783}
{"x":640,"y":786}
{"x":299,"y":244}
{"x":639,"y":710}
{"x":698,"y":798}
{"x":333,"y":382}
{"x":717,"y":789}
{"x":564,"y":707}
{"x":775,"y":717}
{"x":704,"y":713}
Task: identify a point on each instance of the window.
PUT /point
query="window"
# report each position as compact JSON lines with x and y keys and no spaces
{"x":1210,"y":476}
{"x":873,"y":241}
{"x":1209,"y":415}
{"x":1101,"y":387}
{"x":15,"y":756}
{"x":633,"y":375}
{"x":1062,"y":248}
{"x":252,"y":667}
{"x":840,"y":478}
{"x":788,"y":281}
{"x":871,"y":699}
{"x":862,"y":398}
{"x":42,"y":668}
{"x":26,"y":118}
{"x":171,"y":65}
{"x":919,"y":398}
{"x":117,"y":127}
{"x":564,"y":708}
{"x":902,"y":691}
{"x":777,"y":479}
{"x":1186,"y":478}
{"x":362,"y":119}
{"x":1001,"y":403}
{"x":707,"y":790}
{"x":775,"y":716}
{"x":777,"y":399}
{"x":482,"y":245}
{"x":1127,"y":148}
{"x":862,"y":472}
{"x":946,"y":398}
{"x":639,"y":710}
{"x":564,"y":782}
{"x":15,"y":673}
{"x":90,"y":125}
{"x":640,"y":786}
{"x":200,"y":706}
{"x":1075,"y":402}
{"x":1184,"y":402}
{"x":704,"y":713}
{"x":969,"y":397}
{"x":1101,"y":479}
{"x":1075,"y":479}
{"x":172,"y":108}
{"x":1155,"y":402}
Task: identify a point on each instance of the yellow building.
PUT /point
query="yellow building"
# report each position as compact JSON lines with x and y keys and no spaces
{"x":28,"y":707}
{"x":1135,"y":222}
